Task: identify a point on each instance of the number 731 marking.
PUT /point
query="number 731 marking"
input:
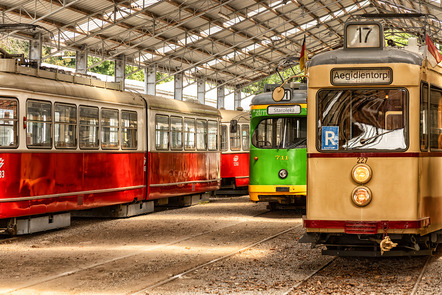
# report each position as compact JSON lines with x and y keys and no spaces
{"x":282,"y":158}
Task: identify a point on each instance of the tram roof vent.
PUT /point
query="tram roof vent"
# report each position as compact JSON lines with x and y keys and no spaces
{"x":12,"y":65}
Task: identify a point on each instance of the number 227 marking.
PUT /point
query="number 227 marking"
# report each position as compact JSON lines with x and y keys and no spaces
{"x":362,"y":160}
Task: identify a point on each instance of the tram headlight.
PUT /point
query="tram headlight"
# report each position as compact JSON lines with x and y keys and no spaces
{"x":361,"y":196}
{"x":361,"y":173}
{"x":283,"y":173}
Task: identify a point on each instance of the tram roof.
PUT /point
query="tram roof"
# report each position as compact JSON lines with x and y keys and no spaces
{"x":298,"y":96}
{"x":367,"y":56}
{"x":231,"y":43}
{"x":240,"y":116}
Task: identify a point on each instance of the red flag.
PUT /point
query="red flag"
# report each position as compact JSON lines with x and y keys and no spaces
{"x":433,"y":50}
{"x":303,"y":58}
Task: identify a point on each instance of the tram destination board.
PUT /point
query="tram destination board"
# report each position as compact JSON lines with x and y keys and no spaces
{"x":372,"y":76}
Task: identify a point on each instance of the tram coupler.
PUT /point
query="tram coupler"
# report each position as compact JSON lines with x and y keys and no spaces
{"x":387,"y":244}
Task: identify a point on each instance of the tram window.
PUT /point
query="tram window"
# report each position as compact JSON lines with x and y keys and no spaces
{"x":39,"y":124}
{"x":129,"y":128}
{"x":89,"y":119}
{"x":109,"y":129}
{"x":201,"y":135}
{"x":65,"y":125}
{"x":245,"y":137}
{"x":368,"y":119}
{"x":435,"y":119}
{"x":212,"y":139}
{"x":235,"y":140}
{"x":424,"y":118}
{"x":8,"y":123}
{"x":224,"y":138}
{"x":176,"y":133}
{"x":281,"y":133}
{"x":161,"y":132}
{"x":189,"y":134}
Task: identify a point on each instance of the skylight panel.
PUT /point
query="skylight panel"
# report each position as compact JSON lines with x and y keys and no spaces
{"x":144,"y":3}
{"x":211,"y":30}
{"x":234,"y":21}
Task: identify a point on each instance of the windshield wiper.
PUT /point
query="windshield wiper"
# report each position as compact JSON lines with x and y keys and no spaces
{"x":296,"y":144}
{"x":364,"y":140}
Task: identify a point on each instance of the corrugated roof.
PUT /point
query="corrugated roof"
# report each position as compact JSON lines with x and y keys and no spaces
{"x":230,"y":42}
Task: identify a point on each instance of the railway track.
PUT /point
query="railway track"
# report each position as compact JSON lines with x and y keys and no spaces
{"x":108,"y":263}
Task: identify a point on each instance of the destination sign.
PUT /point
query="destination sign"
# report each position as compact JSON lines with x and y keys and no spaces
{"x":361,"y":76}
{"x":278,"y":110}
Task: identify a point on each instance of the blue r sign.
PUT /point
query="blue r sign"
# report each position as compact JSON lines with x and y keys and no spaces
{"x":330,"y":138}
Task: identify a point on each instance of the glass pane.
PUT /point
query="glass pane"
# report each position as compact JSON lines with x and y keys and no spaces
{"x":235,"y":140}
{"x":89,"y":136}
{"x":176,"y":133}
{"x":39,"y":119}
{"x":89,"y":127}
{"x":201,"y":135}
{"x":189,"y":134}
{"x":109,"y":118}
{"x":128,"y":119}
{"x":8,"y":128}
{"x":245,"y":137}
{"x":435,"y":119}
{"x":38,"y":134}
{"x":362,"y":119}
{"x":224,"y":137}
{"x":39,"y":111}
{"x":161,"y":132}
{"x":65,"y":113}
{"x":88,"y":116}
{"x":109,"y":137}
{"x":212,"y":136}
{"x":129,"y":132}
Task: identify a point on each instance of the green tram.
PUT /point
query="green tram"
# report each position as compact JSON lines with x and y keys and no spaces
{"x":278,"y":156}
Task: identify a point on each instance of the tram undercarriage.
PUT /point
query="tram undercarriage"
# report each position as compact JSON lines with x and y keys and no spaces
{"x":374,"y":245}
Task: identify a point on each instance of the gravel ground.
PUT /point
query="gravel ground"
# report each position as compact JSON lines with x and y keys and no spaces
{"x":125,"y":256}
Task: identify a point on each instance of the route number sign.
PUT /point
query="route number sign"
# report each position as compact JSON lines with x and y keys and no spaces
{"x":363,"y":35}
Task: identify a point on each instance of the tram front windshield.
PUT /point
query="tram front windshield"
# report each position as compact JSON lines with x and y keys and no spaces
{"x":281,"y":133}
{"x":362,"y":119}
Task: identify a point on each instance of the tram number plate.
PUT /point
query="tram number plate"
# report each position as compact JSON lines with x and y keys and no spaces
{"x":362,"y":160}
{"x":2,"y":173}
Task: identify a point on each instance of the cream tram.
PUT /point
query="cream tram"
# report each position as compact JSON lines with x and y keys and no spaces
{"x":374,"y":148}
{"x":70,"y":143}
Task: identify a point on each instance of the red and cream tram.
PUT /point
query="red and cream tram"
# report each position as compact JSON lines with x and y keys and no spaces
{"x":374,"y":148}
{"x":235,"y":147}
{"x":74,"y":143}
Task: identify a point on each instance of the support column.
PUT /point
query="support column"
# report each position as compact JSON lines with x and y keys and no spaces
{"x":35,"y":49}
{"x":178,"y":89}
{"x":120,"y":67}
{"x":150,"y":80}
{"x":81,"y":61}
{"x":220,"y":97}
{"x":237,"y":98}
{"x":201,"y":90}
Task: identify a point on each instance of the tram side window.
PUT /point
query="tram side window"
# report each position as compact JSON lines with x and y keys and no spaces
{"x":424,"y":118}
{"x":201,"y":135}
{"x":109,"y":129}
{"x":435,"y":119}
{"x":189,"y":134}
{"x":65,"y":125}
{"x":129,"y":128}
{"x":39,"y":124}
{"x":161,"y":132}
{"x":8,"y":122}
{"x":176,"y":133}
{"x":212,"y":139}
{"x":224,"y":137}
{"x":89,"y":123}
{"x":245,"y":137}
{"x":235,"y":140}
